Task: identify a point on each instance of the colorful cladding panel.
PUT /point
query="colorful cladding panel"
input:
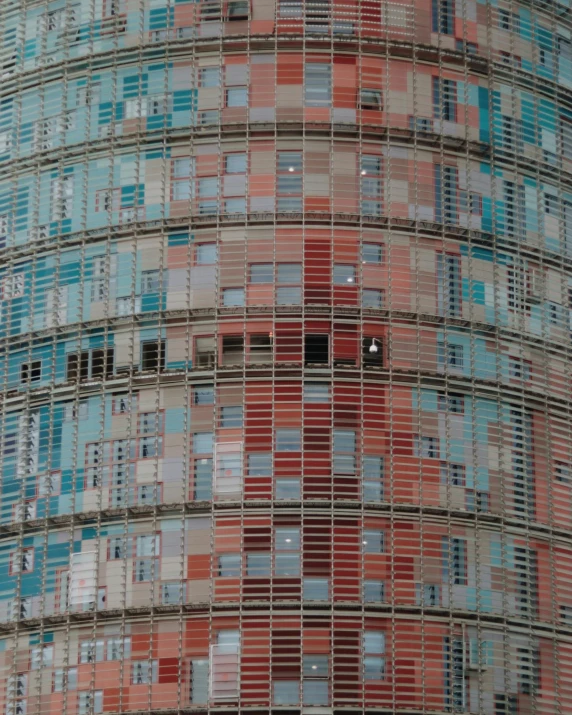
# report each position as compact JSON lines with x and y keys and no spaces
{"x":285,"y":323}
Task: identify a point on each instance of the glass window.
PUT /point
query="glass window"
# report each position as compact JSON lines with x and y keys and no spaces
{"x":258,"y":564}
{"x":145,"y":570}
{"x":373,"y":667}
{"x":315,"y":692}
{"x":90,"y":702}
{"x":316,"y":589}
{"x":373,"y":541}
{"x":451,"y":403}
{"x":287,"y":488}
{"x":233,"y":297}
{"x":370,"y":208}
{"x":204,"y":395}
{"x":238,"y":9}
{"x":182,"y":190}
{"x":370,"y":186}
{"x":370,"y":98}
{"x":373,"y":642}
{"x":289,"y":181}
{"x":344,"y":274}
{"x":209,"y":116}
{"x":206,"y":253}
{"x":237,"y":97}
{"x":318,"y":84}
{"x":286,"y":692}
{"x":287,"y":565}
{"x":315,"y":666}
{"x":372,"y":468}
{"x":287,"y":539}
{"x":150,"y":447}
{"x":203,"y":442}
{"x":203,"y":479}
{"x":450,"y":355}
{"x":208,"y":208}
{"x":372,"y":253}
{"x":289,"y":273}
{"x":229,"y":565}
{"x":289,"y":184}
{"x":288,"y":440}
{"x":443,"y":16}
{"x":344,"y":448}
{"x":150,"y":422}
{"x":208,"y":186}
{"x":373,"y":591}
{"x":316,"y":392}
{"x":372,"y":298}
{"x":231,"y":416}
{"x":199,"y":681}
{"x":42,"y":657}
{"x":260,"y":464}
{"x":183,"y":167}
{"x":228,"y":641}
{"x":563,"y":472}
{"x":566,"y":137}
{"x":235,"y":206}
{"x":117,"y":548}
{"x":290,"y":162}
{"x":426,"y":447}
{"x":147,"y":545}
{"x":444,"y":99}
{"x":209,"y":76}
{"x":235,"y":163}
{"x":344,"y":441}
{"x":288,"y":296}
{"x":315,"y":672}
{"x":370,"y":165}
{"x":261,"y":273}
{"x":210,"y":10}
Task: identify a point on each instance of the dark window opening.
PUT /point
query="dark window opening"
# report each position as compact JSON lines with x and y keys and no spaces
{"x":153,"y":355}
{"x":370,"y":98}
{"x":98,"y":363}
{"x":232,"y":350}
{"x":260,"y":348}
{"x":238,"y":10}
{"x":316,"y":349}
{"x":372,"y":352}
{"x":31,"y":372}
{"x":90,"y":364}
{"x":205,"y":352}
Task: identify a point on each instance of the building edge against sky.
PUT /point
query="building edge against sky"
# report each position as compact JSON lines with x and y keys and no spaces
{"x":285,"y":322}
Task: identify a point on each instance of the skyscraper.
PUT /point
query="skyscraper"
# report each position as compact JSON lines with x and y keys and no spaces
{"x":285,"y":324}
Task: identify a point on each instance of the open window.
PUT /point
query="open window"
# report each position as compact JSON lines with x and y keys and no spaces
{"x":372,"y":352}
{"x":153,"y":355}
{"x":233,"y":350}
{"x":90,"y":364}
{"x":31,"y":371}
{"x":316,"y":350}
{"x":260,"y":348}
{"x":205,"y":351}
{"x":238,"y":10}
{"x":370,"y":98}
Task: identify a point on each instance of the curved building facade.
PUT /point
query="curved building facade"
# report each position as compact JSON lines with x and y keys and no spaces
{"x":285,"y":359}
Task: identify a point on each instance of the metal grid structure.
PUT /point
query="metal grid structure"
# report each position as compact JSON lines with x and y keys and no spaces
{"x":285,"y":322}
